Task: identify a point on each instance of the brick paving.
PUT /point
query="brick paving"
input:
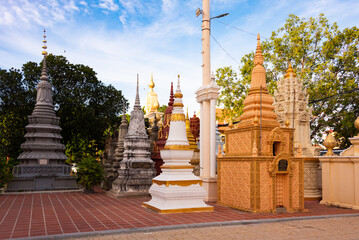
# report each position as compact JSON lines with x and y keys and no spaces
{"x":46,"y":214}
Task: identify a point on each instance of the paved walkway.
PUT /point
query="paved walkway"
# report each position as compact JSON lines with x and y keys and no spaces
{"x":58,"y":214}
{"x":343,"y":228}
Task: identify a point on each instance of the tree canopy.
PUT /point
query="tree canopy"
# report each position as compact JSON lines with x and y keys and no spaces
{"x":323,"y":56}
{"x":86,"y":107}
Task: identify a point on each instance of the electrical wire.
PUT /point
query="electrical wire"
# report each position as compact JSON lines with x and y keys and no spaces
{"x":240,"y":29}
{"x":326,"y":98}
{"x":224,"y":50}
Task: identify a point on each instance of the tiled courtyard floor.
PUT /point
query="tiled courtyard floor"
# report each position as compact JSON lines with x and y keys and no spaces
{"x":45,"y":214}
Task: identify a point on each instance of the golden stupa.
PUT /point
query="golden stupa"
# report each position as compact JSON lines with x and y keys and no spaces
{"x":152,"y":105}
{"x":258,"y":172}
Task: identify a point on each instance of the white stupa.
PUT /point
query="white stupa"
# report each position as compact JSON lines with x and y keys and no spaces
{"x":177,"y":189}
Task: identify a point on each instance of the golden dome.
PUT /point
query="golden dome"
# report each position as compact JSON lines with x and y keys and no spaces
{"x":289,"y":71}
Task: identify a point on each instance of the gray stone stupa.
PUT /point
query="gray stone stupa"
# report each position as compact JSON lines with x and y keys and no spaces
{"x":42,"y":161}
{"x":136,"y":169}
{"x":112,"y":165}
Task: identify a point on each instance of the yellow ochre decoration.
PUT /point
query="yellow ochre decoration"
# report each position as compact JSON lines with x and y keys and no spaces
{"x":44,"y":46}
{"x":183,"y":183}
{"x":177,"y":117}
{"x":289,"y":71}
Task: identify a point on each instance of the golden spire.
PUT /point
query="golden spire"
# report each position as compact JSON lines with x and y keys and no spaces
{"x":289,"y":71}
{"x":44,"y":46}
{"x":190,"y":137}
{"x":151,"y":84}
{"x":178,"y":93}
{"x":152,"y":99}
{"x":258,"y":98}
{"x":258,"y":57}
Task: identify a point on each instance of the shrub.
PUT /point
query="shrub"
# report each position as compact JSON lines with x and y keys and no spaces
{"x":5,"y":171}
{"x":90,"y":173}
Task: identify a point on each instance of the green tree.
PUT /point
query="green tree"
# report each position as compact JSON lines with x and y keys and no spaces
{"x":86,"y":106}
{"x":162,"y":108}
{"x":325,"y":57}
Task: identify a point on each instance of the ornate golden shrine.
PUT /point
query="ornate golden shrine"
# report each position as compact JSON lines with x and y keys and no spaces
{"x":258,"y":172}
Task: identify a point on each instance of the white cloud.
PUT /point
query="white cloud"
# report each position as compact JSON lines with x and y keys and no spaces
{"x":163,"y":37}
{"x":108,"y":5}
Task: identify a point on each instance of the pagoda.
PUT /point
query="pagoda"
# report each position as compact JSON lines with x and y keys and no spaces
{"x":136,"y":170}
{"x":42,"y":161}
{"x":291,"y":103}
{"x":177,"y":189}
{"x":258,"y":172}
{"x":163,"y":134}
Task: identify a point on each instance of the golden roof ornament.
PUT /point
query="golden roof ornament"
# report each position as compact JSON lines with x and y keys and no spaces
{"x":356,"y":124}
{"x":230,"y":125}
{"x":152,"y":99}
{"x":44,"y":47}
{"x":287,"y":123}
{"x":330,"y":143}
{"x":151,"y":84}
{"x":258,"y":57}
{"x":290,"y":70}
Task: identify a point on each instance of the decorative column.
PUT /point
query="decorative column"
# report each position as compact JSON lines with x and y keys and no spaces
{"x":177,"y":189}
{"x":206,"y":96}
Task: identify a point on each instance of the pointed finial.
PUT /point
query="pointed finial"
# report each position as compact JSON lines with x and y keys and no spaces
{"x":151,"y":84}
{"x":287,"y":123}
{"x":170,"y":103}
{"x":44,"y":46}
{"x":258,"y":57}
{"x":123,"y":120}
{"x":187,"y":114}
{"x":44,"y":76}
{"x":137,"y":105}
{"x":178,"y":93}
{"x":290,"y":71}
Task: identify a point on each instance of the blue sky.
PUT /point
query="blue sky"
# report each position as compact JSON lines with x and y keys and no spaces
{"x":120,"y":38}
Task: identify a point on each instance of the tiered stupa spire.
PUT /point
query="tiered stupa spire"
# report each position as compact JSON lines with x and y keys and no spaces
{"x":114,"y":163}
{"x":258,"y":102}
{"x":42,"y":161}
{"x":136,"y":169}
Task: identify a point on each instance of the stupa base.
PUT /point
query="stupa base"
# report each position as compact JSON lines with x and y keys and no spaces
{"x":177,"y":199}
{"x":178,"y":210}
{"x":117,"y":195}
{"x":51,"y":183}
